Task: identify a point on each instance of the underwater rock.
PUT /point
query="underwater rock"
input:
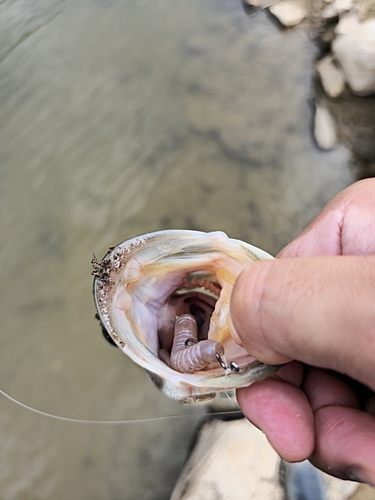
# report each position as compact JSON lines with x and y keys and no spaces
{"x":289,"y":12}
{"x":324,"y":128}
{"x":354,"y":48}
{"x":331,"y":76}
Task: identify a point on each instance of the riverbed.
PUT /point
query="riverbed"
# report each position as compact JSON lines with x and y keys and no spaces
{"x":119,"y":118}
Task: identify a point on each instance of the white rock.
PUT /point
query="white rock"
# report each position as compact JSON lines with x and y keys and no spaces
{"x":343,"y":5}
{"x":234,"y":461}
{"x":331,"y":76}
{"x":231,"y":460}
{"x":330,"y":12}
{"x":348,"y":22}
{"x":289,"y":12}
{"x":254,"y":3}
{"x":354,"y":48}
{"x":262,"y":4}
{"x":324,"y":128}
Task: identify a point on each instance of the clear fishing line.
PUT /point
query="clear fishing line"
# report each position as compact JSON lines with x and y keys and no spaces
{"x":112,"y":422}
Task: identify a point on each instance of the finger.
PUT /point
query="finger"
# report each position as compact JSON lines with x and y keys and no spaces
{"x":345,"y":439}
{"x":325,"y":388}
{"x":345,"y":443}
{"x":283,"y":413}
{"x":343,"y":227}
{"x":316,"y":310}
{"x":291,"y":372}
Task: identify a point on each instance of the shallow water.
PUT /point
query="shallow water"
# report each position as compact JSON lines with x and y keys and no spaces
{"x":119,"y":118}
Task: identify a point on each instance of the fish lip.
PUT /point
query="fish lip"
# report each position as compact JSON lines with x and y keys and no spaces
{"x":205,"y":391}
{"x":133,"y":242}
{"x":253,"y":372}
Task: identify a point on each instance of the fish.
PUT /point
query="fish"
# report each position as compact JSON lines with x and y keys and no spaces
{"x":164,"y":300}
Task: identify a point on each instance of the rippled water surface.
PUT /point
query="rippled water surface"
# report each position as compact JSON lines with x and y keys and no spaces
{"x":119,"y":117}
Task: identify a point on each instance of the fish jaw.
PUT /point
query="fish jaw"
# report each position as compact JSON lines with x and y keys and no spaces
{"x":137,"y":282}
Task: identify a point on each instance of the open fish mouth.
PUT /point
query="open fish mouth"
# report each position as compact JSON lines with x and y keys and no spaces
{"x":164,"y":300}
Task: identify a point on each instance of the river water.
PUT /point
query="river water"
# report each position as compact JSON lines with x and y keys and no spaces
{"x":120,"y":117}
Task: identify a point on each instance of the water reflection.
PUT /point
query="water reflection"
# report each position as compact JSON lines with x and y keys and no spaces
{"x":119,"y":118}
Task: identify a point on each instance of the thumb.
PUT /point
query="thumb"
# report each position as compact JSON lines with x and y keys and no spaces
{"x":318,"y":310}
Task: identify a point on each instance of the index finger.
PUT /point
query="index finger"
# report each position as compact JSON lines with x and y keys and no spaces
{"x":345,"y":226}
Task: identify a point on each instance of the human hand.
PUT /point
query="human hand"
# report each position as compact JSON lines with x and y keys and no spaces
{"x":315,"y":304}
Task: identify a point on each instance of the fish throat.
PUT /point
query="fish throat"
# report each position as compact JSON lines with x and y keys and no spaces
{"x":184,"y":324}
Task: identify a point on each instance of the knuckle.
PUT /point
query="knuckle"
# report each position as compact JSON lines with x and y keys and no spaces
{"x":252,"y":296}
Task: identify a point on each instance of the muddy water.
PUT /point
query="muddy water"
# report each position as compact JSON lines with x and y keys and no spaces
{"x":120,"y":117}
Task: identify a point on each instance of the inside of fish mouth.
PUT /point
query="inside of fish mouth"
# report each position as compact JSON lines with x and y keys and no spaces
{"x":196,"y":295}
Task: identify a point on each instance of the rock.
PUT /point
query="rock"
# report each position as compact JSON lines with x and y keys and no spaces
{"x":233,"y":460}
{"x":337,"y":7}
{"x":331,"y":76}
{"x":348,"y":22}
{"x":354,"y":48}
{"x":365,"y":9}
{"x":254,"y":3}
{"x":343,"y":5}
{"x":324,"y":128}
{"x":330,"y":12}
{"x":289,"y":12}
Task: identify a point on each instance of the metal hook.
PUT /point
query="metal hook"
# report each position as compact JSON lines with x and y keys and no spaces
{"x":190,"y":340}
{"x":232,"y":365}
{"x":222,"y":364}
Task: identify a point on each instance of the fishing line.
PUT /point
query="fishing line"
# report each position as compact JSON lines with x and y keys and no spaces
{"x":111,"y":422}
